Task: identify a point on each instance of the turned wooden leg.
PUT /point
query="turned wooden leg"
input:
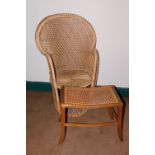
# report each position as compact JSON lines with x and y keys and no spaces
{"x":63,"y":127}
{"x":120,"y":122}
{"x":110,"y":111}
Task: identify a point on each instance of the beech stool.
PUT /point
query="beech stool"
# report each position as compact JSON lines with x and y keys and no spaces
{"x":91,"y":98}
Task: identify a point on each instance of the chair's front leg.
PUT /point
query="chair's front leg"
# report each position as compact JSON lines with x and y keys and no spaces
{"x":56,"y":99}
{"x":63,"y":127}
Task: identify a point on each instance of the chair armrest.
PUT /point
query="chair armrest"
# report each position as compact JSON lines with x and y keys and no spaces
{"x":90,"y":64}
{"x":51,"y":70}
{"x":97,"y":67}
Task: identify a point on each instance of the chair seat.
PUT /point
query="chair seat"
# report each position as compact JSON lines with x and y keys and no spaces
{"x":75,"y":78}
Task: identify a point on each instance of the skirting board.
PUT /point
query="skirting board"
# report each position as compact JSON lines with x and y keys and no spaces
{"x":46,"y":86}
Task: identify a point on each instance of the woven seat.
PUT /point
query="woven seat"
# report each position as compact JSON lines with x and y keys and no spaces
{"x":94,"y":96}
{"x":73,"y":78}
{"x":69,"y":43}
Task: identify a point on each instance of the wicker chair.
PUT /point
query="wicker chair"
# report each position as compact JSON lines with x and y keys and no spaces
{"x":69,"y":43}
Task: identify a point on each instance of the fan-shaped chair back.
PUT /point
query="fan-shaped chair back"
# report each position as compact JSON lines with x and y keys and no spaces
{"x":67,"y":38}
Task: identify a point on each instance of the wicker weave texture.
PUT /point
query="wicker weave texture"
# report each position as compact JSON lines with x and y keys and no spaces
{"x":69,"y":43}
{"x":66,"y":33}
{"x":91,"y":96}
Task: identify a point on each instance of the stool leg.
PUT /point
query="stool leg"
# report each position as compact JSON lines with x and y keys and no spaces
{"x":120,"y":122}
{"x":110,"y":111}
{"x":63,"y":128}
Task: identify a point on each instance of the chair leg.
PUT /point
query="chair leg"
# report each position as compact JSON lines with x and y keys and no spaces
{"x":110,"y":111}
{"x":120,"y":122}
{"x":56,"y":99}
{"x":63,"y":127}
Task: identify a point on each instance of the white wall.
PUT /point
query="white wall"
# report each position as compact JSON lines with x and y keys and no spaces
{"x":110,"y":21}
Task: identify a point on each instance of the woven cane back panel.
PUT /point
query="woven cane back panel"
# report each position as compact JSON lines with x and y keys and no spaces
{"x":69,"y":39}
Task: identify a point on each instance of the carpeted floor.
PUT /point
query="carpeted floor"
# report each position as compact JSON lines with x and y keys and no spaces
{"x":43,"y":131}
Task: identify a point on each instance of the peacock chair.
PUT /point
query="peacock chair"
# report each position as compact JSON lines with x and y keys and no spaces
{"x":69,"y":43}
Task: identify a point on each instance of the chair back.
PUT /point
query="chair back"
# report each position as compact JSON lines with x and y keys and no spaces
{"x":67,"y":38}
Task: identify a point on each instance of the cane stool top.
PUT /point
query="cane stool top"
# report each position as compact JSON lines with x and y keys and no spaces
{"x":88,"y":97}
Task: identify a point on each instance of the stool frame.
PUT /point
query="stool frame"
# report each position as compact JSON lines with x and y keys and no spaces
{"x":115,"y":115}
